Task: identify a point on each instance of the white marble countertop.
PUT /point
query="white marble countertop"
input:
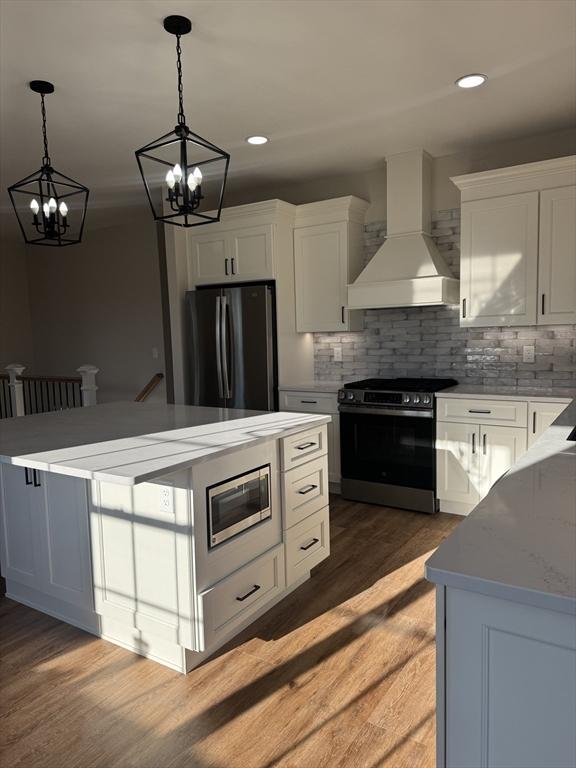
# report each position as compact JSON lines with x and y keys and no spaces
{"x":312,"y":386}
{"x":130,"y":443}
{"x":519,"y":543}
{"x":509,"y":393}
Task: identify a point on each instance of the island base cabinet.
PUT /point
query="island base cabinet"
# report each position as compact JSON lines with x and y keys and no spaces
{"x":45,"y":540}
{"x":507,"y":684}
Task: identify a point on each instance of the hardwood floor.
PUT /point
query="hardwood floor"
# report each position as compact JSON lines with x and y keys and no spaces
{"x":338,"y":675}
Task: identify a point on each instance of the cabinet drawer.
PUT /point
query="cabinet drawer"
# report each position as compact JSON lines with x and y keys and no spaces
{"x":309,"y":402}
{"x":305,"y":490}
{"x":234,"y":599}
{"x":303,"y":447}
{"x":512,"y":413}
{"x":307,"y":544}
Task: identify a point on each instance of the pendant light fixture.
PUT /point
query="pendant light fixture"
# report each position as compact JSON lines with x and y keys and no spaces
{"x":184,"y":174}
{"x":50,"y":207}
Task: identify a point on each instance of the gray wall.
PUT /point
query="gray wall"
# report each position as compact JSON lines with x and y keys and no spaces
{"x":428,"y":341}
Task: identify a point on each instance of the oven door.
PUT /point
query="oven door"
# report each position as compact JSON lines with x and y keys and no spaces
{"x":238,"y":504}
{"x":388,"y":446}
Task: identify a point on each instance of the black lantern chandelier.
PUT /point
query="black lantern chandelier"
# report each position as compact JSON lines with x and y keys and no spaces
{"x":50,"y":207}
{"x":184,"y":174}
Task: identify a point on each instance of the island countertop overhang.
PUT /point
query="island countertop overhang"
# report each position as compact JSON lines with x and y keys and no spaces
{"x":130,"y":443}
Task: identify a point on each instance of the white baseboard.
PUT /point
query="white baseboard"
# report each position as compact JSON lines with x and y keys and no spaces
{"x":455,"y":507}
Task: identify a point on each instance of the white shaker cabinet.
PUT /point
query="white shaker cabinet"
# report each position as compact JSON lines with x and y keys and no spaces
{"x":518,"y":245}
{"x":499,"y":257}
{"x":456,"y":466}
{"x":327,"y":256}
{"x":540,"y":416}
{"x":45,"y":541}
{"x":477,"y":441}
{"x":233,"y":255}
{"x":557,"y":258}
{"x":21,"y":510}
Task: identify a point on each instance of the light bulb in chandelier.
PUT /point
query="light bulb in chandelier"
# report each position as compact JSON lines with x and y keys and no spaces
{"x":177,"y":171}
{"x":192,"y":183}
{"x":52,"y":205}
{"x":34,"y":207}
{"x":197,"y":173}
{"x":46,"y":210}
{"x":63,"y":208}
{"x":170,"y":180}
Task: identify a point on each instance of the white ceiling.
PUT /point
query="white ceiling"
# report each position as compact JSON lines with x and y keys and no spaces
{"x":335,"y":84}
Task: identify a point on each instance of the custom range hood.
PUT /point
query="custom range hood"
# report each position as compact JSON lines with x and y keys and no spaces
{"x":407,"y":270}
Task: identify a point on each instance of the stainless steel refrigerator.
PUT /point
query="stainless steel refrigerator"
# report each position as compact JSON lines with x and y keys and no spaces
{"x":232,"y":347}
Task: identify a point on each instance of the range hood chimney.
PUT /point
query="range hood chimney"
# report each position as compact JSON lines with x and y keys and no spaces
{"x":407,"y":270}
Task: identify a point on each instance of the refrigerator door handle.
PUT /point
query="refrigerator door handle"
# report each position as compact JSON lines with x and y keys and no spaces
{"x":224,"y":346}
{"x":219,"y":345}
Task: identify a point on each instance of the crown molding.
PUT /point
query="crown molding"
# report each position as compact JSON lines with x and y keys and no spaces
{"x":526,"y":172}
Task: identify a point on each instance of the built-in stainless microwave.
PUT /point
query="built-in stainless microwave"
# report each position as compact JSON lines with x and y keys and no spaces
{"x":237,"y":504}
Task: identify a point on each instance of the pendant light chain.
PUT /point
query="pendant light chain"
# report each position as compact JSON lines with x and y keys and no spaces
{"x":46,"y":158}
{"x":181,"y":118}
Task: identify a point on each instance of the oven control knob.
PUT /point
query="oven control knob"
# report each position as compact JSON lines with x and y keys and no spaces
{"x":350,"y":395}
{"x":341,"y":395}
{"x":405,"y":398}
{"x":416,"y":398}
{"x":426,"y":399}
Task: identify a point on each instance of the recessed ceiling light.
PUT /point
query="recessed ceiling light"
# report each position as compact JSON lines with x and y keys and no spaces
{"x":471,"y":81}
{"x":257,"y":140}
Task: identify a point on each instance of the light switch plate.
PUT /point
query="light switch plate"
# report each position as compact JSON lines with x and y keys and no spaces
{"x":528,"y":353}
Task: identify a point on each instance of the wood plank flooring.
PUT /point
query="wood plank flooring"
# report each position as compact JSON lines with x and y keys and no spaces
{"x":338,"y":675}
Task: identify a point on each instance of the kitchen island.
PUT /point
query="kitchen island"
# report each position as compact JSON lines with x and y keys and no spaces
{"x":164,"y":529}
{"x":506,"y":616}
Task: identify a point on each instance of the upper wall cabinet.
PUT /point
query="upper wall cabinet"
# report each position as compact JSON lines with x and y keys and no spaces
{"x":557,"y":263}
{"x":235,"y":255}
{"x":518,"y":249}
{"x":328,"y":254}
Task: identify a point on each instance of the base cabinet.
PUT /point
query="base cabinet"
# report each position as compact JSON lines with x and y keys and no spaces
{"x":45,"y":540}
{"x":540,"y":417}
{"x":470,"y":458}
{"x":507,"y":684}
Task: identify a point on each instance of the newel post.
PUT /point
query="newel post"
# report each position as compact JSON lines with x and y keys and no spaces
{"x":89,"y":386}
{"x":16,"y":388}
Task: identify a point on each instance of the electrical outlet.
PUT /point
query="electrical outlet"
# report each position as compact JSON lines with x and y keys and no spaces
{"x":166,"y":499}
{"x":338,"y":354}
{"x":528,"y":353}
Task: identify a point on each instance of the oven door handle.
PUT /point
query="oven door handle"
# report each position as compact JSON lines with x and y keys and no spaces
{"x":359,"y":410}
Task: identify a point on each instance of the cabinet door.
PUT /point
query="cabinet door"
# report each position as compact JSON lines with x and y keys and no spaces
{"x":541,"y":415}
{"x":499,"y":449}
{"x":321,"y":270}
{"x":66,"y":562}
{"x":251,"y":253}
{"x":208,"y":259}
{"x":21,"y":510}
{"x":456,"y":462}
{"x":499,"y":261}
{"x":557,"y":258}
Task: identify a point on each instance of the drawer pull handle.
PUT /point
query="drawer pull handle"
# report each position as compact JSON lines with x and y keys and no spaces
{"x":307,"y":489}
{"x":473,"y":442}
{"x":36,"y":479}
{"x":484,"y":443}
{"x":314,"y":541}
{"x":471,"y":410}
{"x":303,"y":447}
{"x":226,"y":266}
{"x":310,"y":402}
{"x":28,"y":481}
{"x":534,"y":423}
{"x":255,"y":588}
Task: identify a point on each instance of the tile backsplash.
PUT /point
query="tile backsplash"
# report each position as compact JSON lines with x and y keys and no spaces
{"x":428,"y":341}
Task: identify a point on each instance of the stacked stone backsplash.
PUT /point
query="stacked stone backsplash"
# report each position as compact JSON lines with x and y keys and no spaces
{"x":428,"y":341}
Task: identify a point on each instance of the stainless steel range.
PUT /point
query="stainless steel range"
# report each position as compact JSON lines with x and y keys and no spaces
{"x":387,"y":441}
